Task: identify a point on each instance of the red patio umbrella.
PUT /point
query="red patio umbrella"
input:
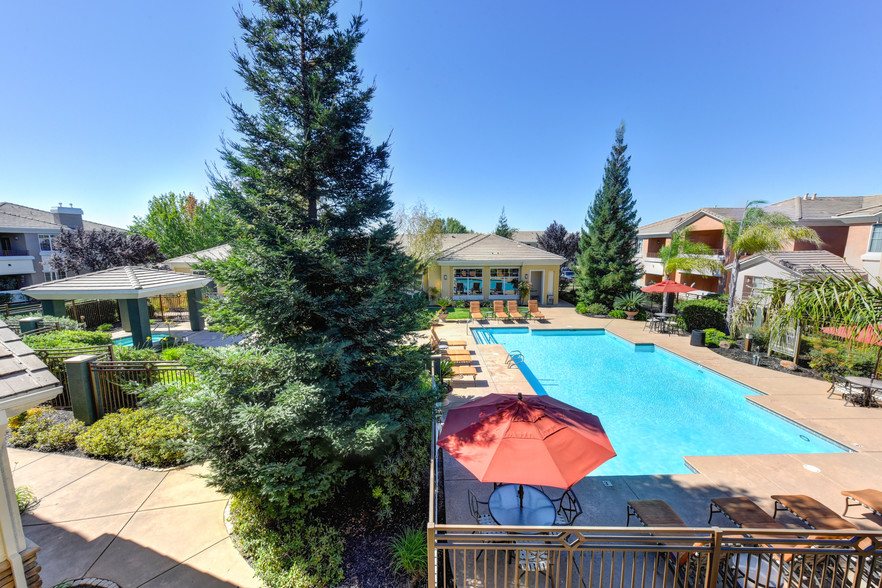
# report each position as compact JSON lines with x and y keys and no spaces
{"x":525,"y":440}
{"x":667,"y":287}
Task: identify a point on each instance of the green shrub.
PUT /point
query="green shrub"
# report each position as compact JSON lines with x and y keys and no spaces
{"x":760,"y":336}
{"x":62,"y":339}
{"x":598,"y":308}
{"x":65,"y":322}
{"x":617,"y":314}
{"x":122,"y":353}
{"x":59,"y":437}
{"x":631,"y":301}
{"x":25,"y":499}
{"x":142,"y":435}
{"x":177,"y":353}
{"x":39,"y":428}
{"x":703,"y":314}
{"x":410,"y":553}
{"x":287,"y":553}
{"x":581,"y":308}
{"x":105,"y":327}
{"x":713,"y":337}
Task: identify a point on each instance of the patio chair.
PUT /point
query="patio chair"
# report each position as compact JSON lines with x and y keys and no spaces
{"x":481,"y":518}
{"x":811,"y":512}
{"x":475,"y":310}
{"x":568,"y":508}
{"x":533,"y":306}
{"x":838,"y":385}
{"x":744,"y":512}
{"x":513,"y":310}
{"x":499,"y":310}
{"x":868,"y":498}
{"x":465,"y":370}
{"x":538,"y":561}
{"x":449,"y":342}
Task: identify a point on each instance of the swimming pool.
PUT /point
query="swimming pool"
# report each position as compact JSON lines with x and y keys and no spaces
{"x":125,"y":341}
{"x":655,"y":406}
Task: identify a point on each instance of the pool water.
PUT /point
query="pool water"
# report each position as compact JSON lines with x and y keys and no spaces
{"x":655,"y":406}
{"x":124,"y":341}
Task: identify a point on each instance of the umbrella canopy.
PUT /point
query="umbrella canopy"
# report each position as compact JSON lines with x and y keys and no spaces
{"x":667,"y":287}
{"x":525,"y":440}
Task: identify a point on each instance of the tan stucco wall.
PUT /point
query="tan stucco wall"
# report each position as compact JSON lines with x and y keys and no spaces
{"x":834,"y":239}
{"x":435,"y":278}
{"x":551,"y":277}
{"x":706,"y":223}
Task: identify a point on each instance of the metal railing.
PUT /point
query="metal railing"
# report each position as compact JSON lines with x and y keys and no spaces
{"x":54,"y":360}
{"x":113,"y":381}
{"x":15,"y":253}
{"x":93,"y":312}
{"x":485,"y":556}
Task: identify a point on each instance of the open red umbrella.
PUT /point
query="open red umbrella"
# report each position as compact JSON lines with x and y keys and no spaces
{"x":667,"y":287}
{"x":525,"y":440}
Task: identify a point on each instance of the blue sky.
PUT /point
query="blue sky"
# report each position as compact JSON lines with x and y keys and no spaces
{"x":488,"y":103}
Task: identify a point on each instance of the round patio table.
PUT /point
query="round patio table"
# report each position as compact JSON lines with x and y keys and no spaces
{"x":505,"y":508}
{"x":869,"y":385}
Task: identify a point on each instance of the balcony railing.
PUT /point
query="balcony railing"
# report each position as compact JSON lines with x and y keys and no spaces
{"x":14,"y":252}
{"x":485,"y":556}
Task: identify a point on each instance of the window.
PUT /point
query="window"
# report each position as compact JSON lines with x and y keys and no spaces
{"x":49,"y":276}
{"x":468,"y":281}
{"x":751,"y":284}
{"x":504,"y":280}
{"x":45,"y":242}
{"x":875,"y":245}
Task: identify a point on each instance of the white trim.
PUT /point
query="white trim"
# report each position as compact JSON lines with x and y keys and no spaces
{"x":542,"y":286}
{"x":500,"y":262}
{"x":870,"y":238}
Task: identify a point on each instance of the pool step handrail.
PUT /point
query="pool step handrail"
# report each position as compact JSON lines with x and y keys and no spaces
{"x":514,"y":358}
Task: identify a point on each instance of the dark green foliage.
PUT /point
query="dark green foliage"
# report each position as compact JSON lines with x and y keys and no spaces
{"x":502,"y":227}
{"x":631,"y":301}
{"x":64,"y":339}
{"x":830,"y":356}
{"x":617,"y":314}
{"x":702,"y":314}
{"x":410,"y":553}
{"x":597,"y":308}
{"x":42,"y":429}
{"x":606,"y":267}
{"x":760,"y":336}
{"x":142,"y":435}
{"x":122,"y":353}
{"x":181,"y":224}
{"x":294,"y":553}
{"x":451,"y":225}
{"x":713,"y":337}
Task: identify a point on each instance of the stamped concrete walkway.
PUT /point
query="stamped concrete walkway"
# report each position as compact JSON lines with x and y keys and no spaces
{"x":797,"y":398}
{"x":137,"y":527}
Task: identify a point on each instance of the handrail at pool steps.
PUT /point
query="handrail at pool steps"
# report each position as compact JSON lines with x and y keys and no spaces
{"x":514,"y":358}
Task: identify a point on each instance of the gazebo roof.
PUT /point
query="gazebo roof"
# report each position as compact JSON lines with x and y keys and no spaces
{"x":118,"y":283}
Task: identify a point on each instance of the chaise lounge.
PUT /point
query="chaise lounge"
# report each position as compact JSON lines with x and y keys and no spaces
{"x":513,"y":310}
{"x":533,"y":305}
{"x":811,"y":512}
{"x":867,"y":497}
{"x":448,"y":343}
{"x":475,"y":310}
{"x":499,"y":310}
{"x":744,"y":512}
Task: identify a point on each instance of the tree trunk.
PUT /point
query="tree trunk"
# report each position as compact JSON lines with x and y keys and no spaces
{"x":733,"y":284}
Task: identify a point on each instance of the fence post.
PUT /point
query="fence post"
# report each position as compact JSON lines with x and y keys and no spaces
{"x":26,"y":325}
{"x":83,"y":400}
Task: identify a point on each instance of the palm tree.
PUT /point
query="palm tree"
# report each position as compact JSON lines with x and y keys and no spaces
{"x":684,"y":255}
{"x":759,"y":232}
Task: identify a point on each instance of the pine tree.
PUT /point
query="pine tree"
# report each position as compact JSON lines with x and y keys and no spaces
{"x":606,"y":266}
{"x":320,"y":283}
{"x":502,"y":228}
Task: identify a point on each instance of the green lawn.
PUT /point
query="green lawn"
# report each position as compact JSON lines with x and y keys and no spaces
{"x":463,"y":313}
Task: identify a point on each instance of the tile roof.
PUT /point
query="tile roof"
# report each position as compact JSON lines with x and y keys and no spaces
{"x":527,"y":236}
{"x":668,"y":225}
{"x":213,"y":254}
{"x":21,"y":372}
{"x":806,"y":263}
{"x":128,"y":282}
{"x":490,"y":247}
{"x":16,"y":215}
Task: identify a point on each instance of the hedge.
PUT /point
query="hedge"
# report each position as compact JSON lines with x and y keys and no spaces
{"x":703,"y":314}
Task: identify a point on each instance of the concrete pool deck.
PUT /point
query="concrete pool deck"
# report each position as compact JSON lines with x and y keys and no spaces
{"x":802,"y":400}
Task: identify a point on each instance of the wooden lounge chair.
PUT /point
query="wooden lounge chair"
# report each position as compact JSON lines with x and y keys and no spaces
{"x":867,"y":497}
{"x":744,"y":512}
{"x":653,"y":513}
{"x":533,"y":305}
{"x":475,"y":310}
{"x":513,"y":310}
{"x":465,"y":370}
{"x":499,"y":310}
{"x":811,"y":512}
{"x":448,"y":343}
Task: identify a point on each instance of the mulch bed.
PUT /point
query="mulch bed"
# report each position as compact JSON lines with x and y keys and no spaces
{"x":768,"y":362}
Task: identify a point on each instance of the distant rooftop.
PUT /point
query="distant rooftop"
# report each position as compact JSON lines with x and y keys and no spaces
{"x":119,"y":283}
{"x":813,"y":262}
{"x":14,"y":216}
{"x":213,"y":254}
{"x":491,"y":248}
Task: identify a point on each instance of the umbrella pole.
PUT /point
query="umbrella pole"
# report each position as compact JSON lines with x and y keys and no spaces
{"x":521,"y":495}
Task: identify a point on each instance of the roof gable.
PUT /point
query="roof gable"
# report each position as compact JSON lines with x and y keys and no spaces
{"x":814,"y":262}
{"x":491,"y":248}
{"x":118,"y":283}
{"x":27,"y":217}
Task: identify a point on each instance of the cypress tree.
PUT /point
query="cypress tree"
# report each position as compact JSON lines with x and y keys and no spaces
{"x":333,"y":382}
{"x":502,"y":227}
{"x":606,"y":266}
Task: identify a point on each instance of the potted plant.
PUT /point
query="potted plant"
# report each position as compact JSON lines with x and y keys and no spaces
{"x":524,"y":288}
{"x":630,"y":303}
{"x":443,"y":303}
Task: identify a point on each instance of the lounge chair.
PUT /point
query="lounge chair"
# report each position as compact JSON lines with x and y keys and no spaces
{"x":811,"y":512}
{"x":867,"y":497}
{"x":475,"y":310}
{"x":448,"y":343}
{"x":534,"y":310}
{"x":513,"y":310}
{"x":658,"y":513}
{"x":465,"y":370}
{"x":499,"y":310}
{"x":744,"y":512}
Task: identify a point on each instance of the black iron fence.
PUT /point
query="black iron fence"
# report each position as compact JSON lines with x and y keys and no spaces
{"x":93,"y":312}
{"x":115,"y":382}
{"x":54,"y":360}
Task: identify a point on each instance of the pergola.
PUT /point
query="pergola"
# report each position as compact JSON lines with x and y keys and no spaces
{"x":130,"y":286}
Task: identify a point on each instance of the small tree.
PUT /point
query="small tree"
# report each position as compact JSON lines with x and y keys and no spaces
{"x":451,"y":225}
{"x":555,"y":239}
{"x":82,"y":252}
{"x":684,"y":255}
{"x":181,"y":224}
{"x":606,"y":265}
{"x":502,"y":228}
{"x":421,"y":231}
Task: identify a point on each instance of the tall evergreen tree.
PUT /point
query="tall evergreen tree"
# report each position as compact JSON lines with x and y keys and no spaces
{"x":606,"y":266}
{"x":502,"y":227}
{"x":320,"y":283}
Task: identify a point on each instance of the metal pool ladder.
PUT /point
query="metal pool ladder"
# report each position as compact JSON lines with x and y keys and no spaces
{"x":514,"y":358}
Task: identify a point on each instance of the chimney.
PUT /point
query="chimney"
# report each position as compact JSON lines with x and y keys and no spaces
{"x":67,"y":216}
{"x":815,"y":195}
{"x":805,"y":197}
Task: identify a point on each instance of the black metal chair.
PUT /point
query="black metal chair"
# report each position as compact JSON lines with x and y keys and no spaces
{"x":475,"y":509}
{"x":567,"y":508}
